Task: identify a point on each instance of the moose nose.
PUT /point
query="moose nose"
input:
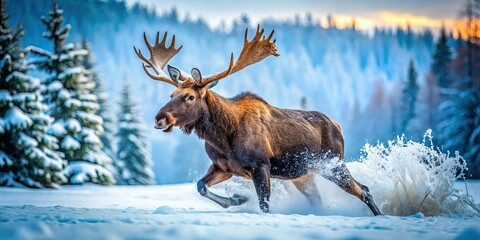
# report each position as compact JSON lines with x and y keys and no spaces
{"x":163,"y":120}
{"x":161,"y":123}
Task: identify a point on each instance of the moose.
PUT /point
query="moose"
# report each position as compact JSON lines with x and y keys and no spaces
{"x":244,"y":135}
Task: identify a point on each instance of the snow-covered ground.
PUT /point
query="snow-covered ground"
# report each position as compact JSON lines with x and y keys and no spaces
{"x":413,"y":184}
{"x":178,"y":212}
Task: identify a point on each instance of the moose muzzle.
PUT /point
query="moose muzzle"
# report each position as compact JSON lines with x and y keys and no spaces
{"x":164,"y":121}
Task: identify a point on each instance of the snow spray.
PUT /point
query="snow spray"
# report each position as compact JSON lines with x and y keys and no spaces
{"x":404,"y":177}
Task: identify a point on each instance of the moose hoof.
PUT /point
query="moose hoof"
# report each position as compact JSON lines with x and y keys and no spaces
{"x":236,"y":200}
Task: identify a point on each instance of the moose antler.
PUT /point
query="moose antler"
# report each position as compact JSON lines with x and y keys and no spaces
{"x":254,"y":51}
{"x":159,"y":57}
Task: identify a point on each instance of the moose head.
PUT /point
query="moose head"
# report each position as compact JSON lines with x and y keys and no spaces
{"x":188,"y":99}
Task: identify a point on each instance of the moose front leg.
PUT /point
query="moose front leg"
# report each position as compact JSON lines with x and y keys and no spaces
{"x":261,"y":181}
{"x":214,"y":176}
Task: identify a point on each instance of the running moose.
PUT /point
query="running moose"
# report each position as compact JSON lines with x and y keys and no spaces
{"x":245,"y":136}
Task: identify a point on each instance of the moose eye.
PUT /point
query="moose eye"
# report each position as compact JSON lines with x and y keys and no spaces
{"x":191,"y":98}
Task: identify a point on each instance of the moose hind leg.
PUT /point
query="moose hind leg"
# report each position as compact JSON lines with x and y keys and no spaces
{"x":306,"y":185}
{"x":214,"y":176}
{"x":342,"y":178}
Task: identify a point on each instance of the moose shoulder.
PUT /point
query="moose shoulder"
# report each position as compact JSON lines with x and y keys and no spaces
{"x":245,"y":136}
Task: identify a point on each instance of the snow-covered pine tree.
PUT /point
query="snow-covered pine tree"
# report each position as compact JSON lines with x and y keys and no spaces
{"x":134,"y":162}
{"x":73,"y":105}
{"x":462,"y":106}
{"x":104,"y":110}
{"x":409,"y":98}
{"x":461,"y":124}
{"x":27,"y":153}
{"x":462,"y":127}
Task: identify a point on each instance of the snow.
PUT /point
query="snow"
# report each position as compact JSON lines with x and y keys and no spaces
{"x":414,"y":185}
{"x":24,"y":97}
{"x":68,"y":46}
{"x":50,"y":140}
{"x":5,"y":96}
{"x":70,"y":143}
{"x":7,"y":179}
{"x":6,"y":59}
{"x":16,"y":118}
{"x":417,"y":176}
{"x":37,"y":50}
{"x":55,"y":86}
{"x":41,"y":117}
{"x":81,"y":172}
{"x":97,"y":157}
{"x":72,"y":54}
{"x":72,"y":125}
{"x":5,"y":160}
{"x":73,"y":103}
{"x":90,"y":137}
{"x":57,"y":129}
{"x":70,"y":71}
{"x":91,"y":105}
{"x":26,"y":141}
{"x":64,"y":94}
{"x":89,"y":97}
{"x":37,"y":153}
{"x":18,"y":76}
{"x":89,"y":117}
{"x":54,"y":162}
{"x":179,"y":212}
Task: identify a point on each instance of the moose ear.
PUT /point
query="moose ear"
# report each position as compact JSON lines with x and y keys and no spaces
{"x":197,"y":76}
{"x":174,"y":73}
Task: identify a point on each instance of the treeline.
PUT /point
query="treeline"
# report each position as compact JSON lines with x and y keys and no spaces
{"x":58,"y":129}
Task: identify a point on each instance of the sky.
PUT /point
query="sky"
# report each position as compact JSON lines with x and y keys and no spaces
{"x":367,"y":13}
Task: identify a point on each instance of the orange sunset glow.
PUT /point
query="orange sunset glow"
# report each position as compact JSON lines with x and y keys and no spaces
{"x":390,"y":19}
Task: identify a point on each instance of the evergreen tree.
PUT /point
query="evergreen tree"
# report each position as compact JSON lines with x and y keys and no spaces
{"x":473,"y":83}
{"x":461,"y":127}
{"x":27,"y":153}
{"x":441,"y":59}
{"x":102,"y":100}
{"x":440,"y":72}
{"x":134,"y":163}
{"x":462,"y":107}
{"x":409,"y":98}
{"x":73,"y":105}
